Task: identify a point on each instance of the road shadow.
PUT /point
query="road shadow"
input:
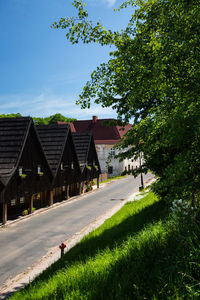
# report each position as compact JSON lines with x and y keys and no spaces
{"x":117,"y":199}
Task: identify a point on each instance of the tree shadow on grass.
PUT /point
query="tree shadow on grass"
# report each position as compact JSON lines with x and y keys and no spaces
{"x":153,"y":270}
{"x":110,"y":238}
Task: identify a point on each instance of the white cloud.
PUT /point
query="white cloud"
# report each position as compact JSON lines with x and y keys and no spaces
{"x":45,"y":104}
{"x":110,"y":3}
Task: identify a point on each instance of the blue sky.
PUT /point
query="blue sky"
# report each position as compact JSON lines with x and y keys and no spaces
{"x":41,"y":73}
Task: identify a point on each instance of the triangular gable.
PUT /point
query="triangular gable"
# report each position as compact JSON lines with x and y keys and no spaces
{"x":14,"y":133}
{"x":82,"y":145}
{"x":86,"y":152}
{"x":54,"y":139}
{"x":73,"y":148}
{"x":38,"y":149}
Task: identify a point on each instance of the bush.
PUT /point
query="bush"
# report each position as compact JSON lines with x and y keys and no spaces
{"x":25,"y":212}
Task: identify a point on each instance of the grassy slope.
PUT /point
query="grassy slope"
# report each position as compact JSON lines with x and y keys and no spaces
{"x":139,"y":253}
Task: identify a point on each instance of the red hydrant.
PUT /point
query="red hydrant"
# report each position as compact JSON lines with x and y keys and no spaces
{"x":62,"y":247}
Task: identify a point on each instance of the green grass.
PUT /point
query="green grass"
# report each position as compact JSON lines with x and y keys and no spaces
{"x":139,"y":253}
{"x":113,"y":178}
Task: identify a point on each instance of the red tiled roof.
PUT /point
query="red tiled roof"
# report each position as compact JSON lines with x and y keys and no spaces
{"x":102,"y":134}
{"x":123,"y":130}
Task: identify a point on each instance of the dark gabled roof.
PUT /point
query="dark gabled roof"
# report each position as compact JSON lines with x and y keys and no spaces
{"x":82,"y":142}
{"x":13,"y":136}
{"x":13,"y":133}
{"x":53,"y":139}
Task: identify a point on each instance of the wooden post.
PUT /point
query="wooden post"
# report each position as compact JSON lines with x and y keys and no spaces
{"x":61,"y":193}
{"x":42,"y":199}
{"x":79,"y":188}
{"x":50,"y":198}
{"x":31,"y":204}
{"x":98,"y":182}
{"x":4,"y":213}
{"x":67,"y":191}
{"x":44,"y":195}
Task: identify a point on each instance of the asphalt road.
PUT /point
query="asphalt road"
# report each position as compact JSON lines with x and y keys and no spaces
{"x":25,"y":242}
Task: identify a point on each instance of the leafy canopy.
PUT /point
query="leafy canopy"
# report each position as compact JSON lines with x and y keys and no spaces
{"x":153,"y":76}
{"x":45,"y":121}
{"x":53,"y":119}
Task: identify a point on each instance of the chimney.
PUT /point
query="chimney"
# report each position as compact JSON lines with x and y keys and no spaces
{"x":94,"y":119}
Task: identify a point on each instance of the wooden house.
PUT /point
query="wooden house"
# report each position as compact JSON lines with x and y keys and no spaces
{"x":87,"y":156}
{"x":24,"y":170}
{"x":60,"y":152}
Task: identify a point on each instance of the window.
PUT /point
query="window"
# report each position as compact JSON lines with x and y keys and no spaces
{"x":72,"y":165}
{"x":61,"y":166}
{"x":20,"y":171}
{"x":13,"y":202}
{"x":110,"y":169}
{"x":112,"y":151}
{"x":21,"y":200}
{"x":38,"y":169}
{"x":129,"y":167}
{"x":63,"y":188}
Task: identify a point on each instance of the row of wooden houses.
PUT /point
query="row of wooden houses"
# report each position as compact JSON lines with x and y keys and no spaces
{"x":40,"y":165}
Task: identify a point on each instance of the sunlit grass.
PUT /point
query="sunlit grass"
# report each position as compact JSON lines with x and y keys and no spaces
{"x":139,"y":253}
{"x":113,"y":178}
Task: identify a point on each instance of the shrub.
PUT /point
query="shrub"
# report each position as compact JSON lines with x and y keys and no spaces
{"x":25,"y":212}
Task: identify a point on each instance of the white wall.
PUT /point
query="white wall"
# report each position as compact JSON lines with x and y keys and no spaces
{"x":103,"y":151}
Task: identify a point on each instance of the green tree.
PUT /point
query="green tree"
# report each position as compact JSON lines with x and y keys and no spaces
{"x":45,"y":121}
{"x":40,"y":120}
{"x":52,"y":119}
{"x":59,"y":117}
{"x":153,"y":76}
{"x":17,"y":115}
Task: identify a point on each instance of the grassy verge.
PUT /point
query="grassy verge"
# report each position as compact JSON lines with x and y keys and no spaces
{"x":139,"y":253}
{"x":113,"y":177}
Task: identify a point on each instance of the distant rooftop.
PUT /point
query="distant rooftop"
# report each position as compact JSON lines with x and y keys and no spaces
{"x":102,"y":134}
